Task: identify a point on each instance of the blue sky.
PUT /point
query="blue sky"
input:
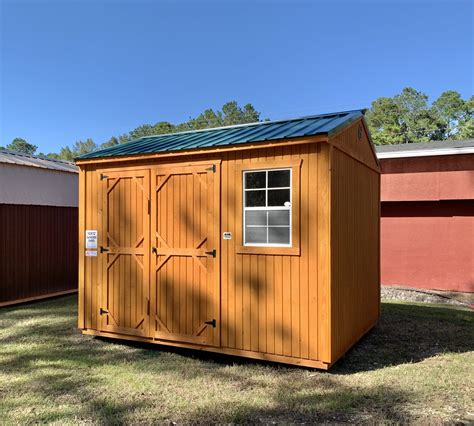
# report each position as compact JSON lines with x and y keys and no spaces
{"x":70,"y":70}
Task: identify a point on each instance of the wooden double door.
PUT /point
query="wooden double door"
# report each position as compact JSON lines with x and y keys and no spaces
{"x":159,"y":253}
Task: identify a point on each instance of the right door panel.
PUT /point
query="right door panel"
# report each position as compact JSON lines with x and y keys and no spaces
{"x":184,"y":266}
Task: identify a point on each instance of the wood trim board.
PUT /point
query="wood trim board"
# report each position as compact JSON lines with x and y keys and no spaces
{"x":295,"y":165}
{"x":205,"y":151}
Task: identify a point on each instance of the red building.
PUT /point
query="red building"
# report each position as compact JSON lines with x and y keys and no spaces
{"x":38,"y":227}
{"x":427,"y":223}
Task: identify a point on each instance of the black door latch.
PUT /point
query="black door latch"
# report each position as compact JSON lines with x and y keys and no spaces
{"x":103,"y":311}
{"x":102,"y":249}
{"x":212,"y":322}
{"x":211,"y":253}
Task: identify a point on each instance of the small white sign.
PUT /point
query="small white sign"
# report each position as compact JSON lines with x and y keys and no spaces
{"x":91,"y":238}
{"x":91,"y":253}
{"x":227,"y":235}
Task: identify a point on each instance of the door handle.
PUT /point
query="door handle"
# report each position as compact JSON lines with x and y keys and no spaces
{"x":103,"y":249}
{"x":211,"y":322}
{"x":211,"y":253}
{"x":154,"y":250}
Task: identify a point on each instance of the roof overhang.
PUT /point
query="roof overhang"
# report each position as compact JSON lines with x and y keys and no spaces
{"x":13,"y":158}
{"x":204,"y":151}
{"x":425,"y":153}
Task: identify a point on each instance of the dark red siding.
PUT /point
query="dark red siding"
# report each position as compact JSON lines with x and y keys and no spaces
{"x":38,"y":251}
{"x":427,"y":223}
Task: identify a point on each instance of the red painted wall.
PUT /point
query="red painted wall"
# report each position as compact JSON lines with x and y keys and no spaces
{"x":428,"y":178}
{"x":428,"y":245}
{"x":427,"y":224}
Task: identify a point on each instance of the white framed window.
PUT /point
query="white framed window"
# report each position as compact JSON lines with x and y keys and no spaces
{"x":267,"y":207}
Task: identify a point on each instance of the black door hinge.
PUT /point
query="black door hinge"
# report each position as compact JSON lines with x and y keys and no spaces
{"x":103,"y":311}
{"x":212,"y":322}
{"x":102,"y":177}
{"x":102,"y":249}
{"x":211,"y":253}
{"x":211,"y":169}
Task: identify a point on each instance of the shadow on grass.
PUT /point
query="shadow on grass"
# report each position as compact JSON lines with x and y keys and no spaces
{"x":337,"y":403}
{"x":405,"y":333}
{"x":409,"y":333}
{"x":53,"y":373}
{"x":46,"y":365}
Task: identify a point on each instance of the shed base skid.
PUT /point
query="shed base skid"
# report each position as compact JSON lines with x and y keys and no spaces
{"x":218,"y":350}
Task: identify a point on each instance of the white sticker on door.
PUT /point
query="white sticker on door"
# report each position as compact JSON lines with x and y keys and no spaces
{"x":91,"y":238}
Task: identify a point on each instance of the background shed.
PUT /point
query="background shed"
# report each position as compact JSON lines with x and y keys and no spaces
{"x":38,"y":227}
{"x":257,"y":240}
{"x":428,"y":215}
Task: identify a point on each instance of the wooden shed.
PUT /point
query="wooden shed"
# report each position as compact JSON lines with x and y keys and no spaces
{"x":258,"y":240}
{"x":38,"y":227}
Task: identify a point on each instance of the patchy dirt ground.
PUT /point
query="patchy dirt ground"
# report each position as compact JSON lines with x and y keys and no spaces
{"x":427,"y":296}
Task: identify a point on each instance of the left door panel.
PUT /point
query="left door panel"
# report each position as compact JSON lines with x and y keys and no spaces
{"x":125,"y":252}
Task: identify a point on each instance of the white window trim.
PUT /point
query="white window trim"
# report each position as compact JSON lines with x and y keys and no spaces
{"x":266,"y":189}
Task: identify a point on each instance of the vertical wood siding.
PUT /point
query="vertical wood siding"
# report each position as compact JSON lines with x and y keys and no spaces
{"x":124,"y":267}
{"x":354,"y":141}
{"x":273,"y":304}
{"x":278,"y":304}
{"x":184,"y":277}
{"x":355,"y":283}
{"x":92,"y":278}
{"x":38,"y":251}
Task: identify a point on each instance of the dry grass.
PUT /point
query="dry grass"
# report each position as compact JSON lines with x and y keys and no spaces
{"x":416,"y":365}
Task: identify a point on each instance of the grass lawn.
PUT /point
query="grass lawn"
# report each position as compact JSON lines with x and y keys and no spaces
{"x":416,"y":365}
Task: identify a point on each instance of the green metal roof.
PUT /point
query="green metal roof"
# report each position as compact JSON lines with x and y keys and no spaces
{"x":231,"y":135}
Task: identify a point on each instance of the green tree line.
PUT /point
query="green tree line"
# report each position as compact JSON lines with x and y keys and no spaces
{"x":230,"y":114}
{"x":407,"y":117}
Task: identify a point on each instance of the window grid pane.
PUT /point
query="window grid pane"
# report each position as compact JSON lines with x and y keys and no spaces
{"x":266,"y":225}
{"x":256,"y":218}
{"x":257,"y":235}
{"x":278,"y":235}
{"x":254,"y":180}
{"x":277,"y":197}
{"x":278,"y":218}
{"x":256,"y":198}
{"x":278,"y":178}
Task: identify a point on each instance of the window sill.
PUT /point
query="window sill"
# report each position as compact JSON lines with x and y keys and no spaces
{"x":272,"y":251}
